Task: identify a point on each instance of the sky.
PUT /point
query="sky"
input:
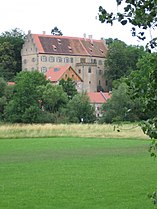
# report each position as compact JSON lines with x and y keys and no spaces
{"x":72,"y":17}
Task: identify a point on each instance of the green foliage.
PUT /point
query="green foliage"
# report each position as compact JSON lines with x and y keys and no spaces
{"x":121,"y":59}
{"x":120,"y":107}
{"x":5,"y":95}
{"x":80,"y":110}
{"x":56,"y":32}
{"x":141,"y":15}
{"x":26,"y":98}
{"x":53,"y":97}
{"x":69,"y":87}
{"x":10,"y":53}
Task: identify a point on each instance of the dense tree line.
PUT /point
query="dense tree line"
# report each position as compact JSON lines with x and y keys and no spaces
{"x":10,"y":53}
{"x":33,"y":99}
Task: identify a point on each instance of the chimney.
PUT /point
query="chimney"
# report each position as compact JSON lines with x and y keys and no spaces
{"x":44,"y":32}
{"x":91,"y":38}
{"x":84,"y":35}
{"x":29,"y":32}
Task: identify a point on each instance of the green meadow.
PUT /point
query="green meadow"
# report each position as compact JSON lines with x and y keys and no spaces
{"x":76,"y":173}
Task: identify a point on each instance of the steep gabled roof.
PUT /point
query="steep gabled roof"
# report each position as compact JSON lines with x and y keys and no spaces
{"x":56,"y":73}
{"x":64,"y":45}
{"x":98,"y":97}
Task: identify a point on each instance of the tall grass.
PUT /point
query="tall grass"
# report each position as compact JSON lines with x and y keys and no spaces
{"x":71,"y":130}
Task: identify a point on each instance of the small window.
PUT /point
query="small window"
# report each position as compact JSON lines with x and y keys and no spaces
{"x":32,"y":68}
{"x":89,"y":70}
{"x":43,"y":58}
{"x":72,"y":76}
{"x":59,"y":41}
{"x":101,"y":51}
{"x":89,"y":82}
{"x":91,"y":50}
{"x":71,"y":60}
{"x":106,"y":83}
{"x":51,"y":59}
{"x":66,"y":76}
{"x":79,"y":71}
{"x":99,"y":82}
{"x":100,"y":62}
{"x":59,"y":59}
{"x":82,"y":60}
{"x":66,"y":60}
{"x":33,"y":59}
{"x":43,"y":69}
{"x":100,"y":72}
{"x":24,"y":61}
{"x":54,"y":47}
{"x":70,"y":49}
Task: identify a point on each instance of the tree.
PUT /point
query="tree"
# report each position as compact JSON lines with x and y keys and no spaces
{"x":69,"y":87}
{"x":120,"y":107}
{"x":10,"y":53}
{"x":56,"y":32}
{"x":80,"y":110}
{"x":6,"y":93}
{"x":53,"y":97}
{"x":25,"y":105}
{"x":140,"y":14}
{"x":121,"y":59}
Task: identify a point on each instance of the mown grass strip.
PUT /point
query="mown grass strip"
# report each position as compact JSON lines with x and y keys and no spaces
{"x":75,"y":173}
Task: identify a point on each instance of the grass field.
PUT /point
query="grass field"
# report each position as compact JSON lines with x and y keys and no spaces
{"x":76,"y":173}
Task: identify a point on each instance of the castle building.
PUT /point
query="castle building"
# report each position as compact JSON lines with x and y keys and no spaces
{"x":85,"y":55}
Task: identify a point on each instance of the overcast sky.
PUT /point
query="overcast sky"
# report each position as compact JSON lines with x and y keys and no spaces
{"x":72,"y":17}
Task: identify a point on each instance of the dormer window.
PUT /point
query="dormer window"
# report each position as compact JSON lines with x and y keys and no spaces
{"x":101,"y":51}
{"x":90,"y":50}
{"x":70,"y":49}
{"x":54,"y":47}
{"x":59,"y":41}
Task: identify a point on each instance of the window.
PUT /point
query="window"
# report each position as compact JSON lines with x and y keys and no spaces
{"x":101,"y":51}
{"x":89,"y":82}
{"x":100,"y":72}
{"x":33,"y":69}
{"x":66,"y":59}
{"x":43,"y":69}
{"x":43,"y":58}
{"x":72,"y":76}
{"x":66,"y":76}
{"x":24,"y":61}
{"x":59,"y":59}
{"x":99,"y":83}
{"x":82,"y":60}
{"x":54,"y":47}
{"x":59,"y":41}
{"x":106,"y":83}
{"x":79,"y":71}
{"x":71,"y":60}
{"x":100,"y":62}
{"x":90,"y":50}
{"x":51,"y":59}
{"x":89,"y":70}
{"x":70,"y":49}
{"x":33,"y":59}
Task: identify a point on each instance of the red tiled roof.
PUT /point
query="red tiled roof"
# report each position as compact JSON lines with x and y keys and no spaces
{"x":98,"y":97}
{"x":54,"y":74}
{"x":69,"y":45}
{"x":11,"y":83}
